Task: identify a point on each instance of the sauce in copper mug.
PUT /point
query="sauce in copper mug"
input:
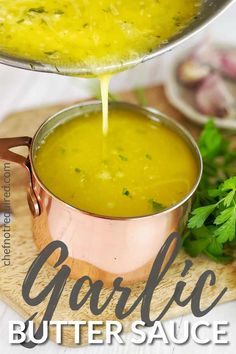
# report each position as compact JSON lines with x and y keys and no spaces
{"x":105,"y":246}
{"x":140,"y":168}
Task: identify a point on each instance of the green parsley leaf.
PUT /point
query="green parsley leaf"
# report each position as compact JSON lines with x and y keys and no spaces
{"x":226,"y":232}
{"x":229,"y":184}
{"x":123,"y":158}
{"x":156,"y":207}
{"x":148,"y":157}
{"x":211,"y":142}
{"x":211,"y":229}
{"x":229,"y":198}
{"x":200,"y":215}
{"x":196,"y":247}
{"x":224,"y":216}
{"x":215,"y":248}
{"x":225,"y":259}
{"x":38,"y":10}
{"x":141,"y":96}
{"x":126,"y":192}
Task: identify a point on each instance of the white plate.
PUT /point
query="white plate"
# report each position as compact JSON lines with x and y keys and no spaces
{"x":183,"y":98}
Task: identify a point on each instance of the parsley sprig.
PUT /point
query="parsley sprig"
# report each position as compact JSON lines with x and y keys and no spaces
{"x":211,"y":228}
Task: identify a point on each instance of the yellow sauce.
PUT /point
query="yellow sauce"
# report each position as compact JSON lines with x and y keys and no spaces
{"x":132,"y":170}
{"x":147,"y":166}
{"x":104,"y":84}
{"x":90,"y":34}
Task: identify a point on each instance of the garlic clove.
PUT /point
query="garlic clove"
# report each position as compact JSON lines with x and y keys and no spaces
{"x":205,"y":53}
{"x":213,"y":98}
{"x":228,"y":63}
{"x":191,"y":73}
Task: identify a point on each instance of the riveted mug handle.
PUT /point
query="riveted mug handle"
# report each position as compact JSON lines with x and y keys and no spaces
{"x":6,"y":154}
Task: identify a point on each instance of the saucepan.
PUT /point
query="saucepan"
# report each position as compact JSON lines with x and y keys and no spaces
{"x":210,"y":9}
{"x":100,"y":247}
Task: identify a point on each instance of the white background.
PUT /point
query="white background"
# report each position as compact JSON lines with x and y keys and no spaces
{"x":22,"y":89}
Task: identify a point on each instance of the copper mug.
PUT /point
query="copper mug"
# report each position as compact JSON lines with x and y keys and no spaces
{"x":100,"y":247}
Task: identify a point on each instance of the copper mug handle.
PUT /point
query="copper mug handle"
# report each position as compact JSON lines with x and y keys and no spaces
{"x":6,"y":154}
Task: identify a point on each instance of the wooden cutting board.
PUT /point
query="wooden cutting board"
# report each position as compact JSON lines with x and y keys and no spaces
{"x":23,"y":250}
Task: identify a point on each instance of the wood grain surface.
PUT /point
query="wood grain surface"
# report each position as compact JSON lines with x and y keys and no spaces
{"x":23,"y":249}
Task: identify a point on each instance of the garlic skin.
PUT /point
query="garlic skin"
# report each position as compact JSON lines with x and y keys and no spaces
{"x":205,"y":53}
{"x":213,"y":98}
{"x":227,"y":63}
{"x":191,"y":73}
